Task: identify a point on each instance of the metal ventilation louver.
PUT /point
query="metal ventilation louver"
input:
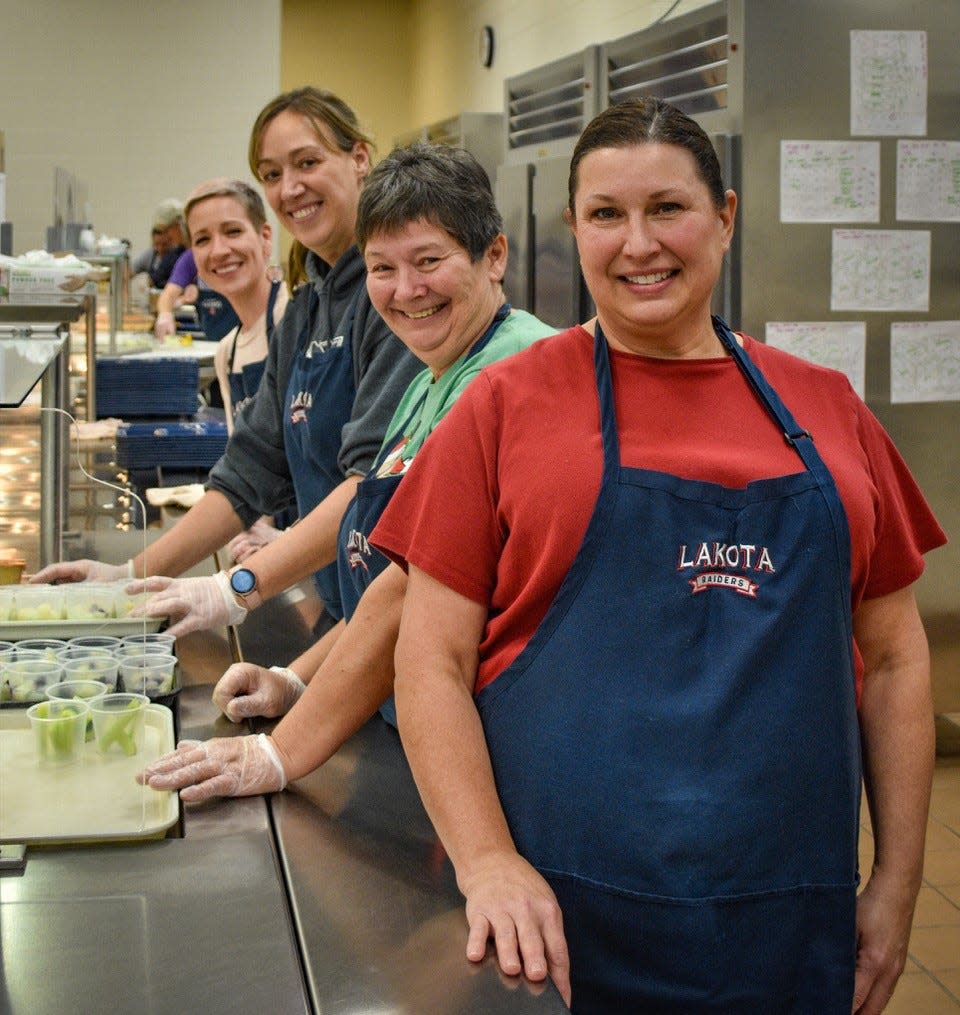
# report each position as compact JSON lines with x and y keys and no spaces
{"x":552,"y":102}
{"x":682,"y":62}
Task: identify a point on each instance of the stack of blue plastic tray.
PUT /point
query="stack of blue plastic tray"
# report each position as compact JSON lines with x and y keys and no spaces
{"x":172,"y":445}
{"x":129,"y":387}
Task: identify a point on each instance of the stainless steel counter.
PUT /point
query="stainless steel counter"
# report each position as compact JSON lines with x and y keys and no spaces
{"x":332,"y":897}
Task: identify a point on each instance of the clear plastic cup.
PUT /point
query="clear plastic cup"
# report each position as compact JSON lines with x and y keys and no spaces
{"x":79,"y":690}
{"x":7,"y":651}
{"x":150,"y":673}
{"x":107,"y":641}
{"x":151,"y":638}
{"x":68,"y":690}
{"x":59,"y":728}
{"x":29,"y":678}
{"x":89,"y":601}
{"x":38,"y":602}
{"x":46,"y":648}
{"x":124,"y":603}
{"x":141,"y":648}
{"x":118,"y":721}
{"x":105,"y":668}
{"x":6,"y":603}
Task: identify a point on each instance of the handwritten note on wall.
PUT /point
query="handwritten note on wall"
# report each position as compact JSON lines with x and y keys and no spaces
{"x":888,"y":83}
{"x":925,"y":361}
{"x":840,"y":345}
{"x":928,"y":181}
{"x":880,"y":269}
{"x":829,"y":181}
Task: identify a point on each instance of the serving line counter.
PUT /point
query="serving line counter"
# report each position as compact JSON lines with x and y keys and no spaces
{"x":332,"y":897}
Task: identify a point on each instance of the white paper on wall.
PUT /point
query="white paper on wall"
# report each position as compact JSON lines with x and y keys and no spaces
{"x":925,"y":361}
{"x":928,"y":181}
{"x":880,"y":269}
{"x":840,"y":345}
{"x":888,"y":83}
{"x":829,"y":181}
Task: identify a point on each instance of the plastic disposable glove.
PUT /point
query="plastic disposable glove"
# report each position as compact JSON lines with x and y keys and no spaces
{"x":224,"y":766}
{"x":260,"y":534}
{"x":164,"y":325}
{"x":196,"y":604}
{"x":83,"y":571}
{"x":247,"y":690}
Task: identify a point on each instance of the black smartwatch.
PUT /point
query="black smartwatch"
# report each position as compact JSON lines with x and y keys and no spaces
{"x":243,"y":584}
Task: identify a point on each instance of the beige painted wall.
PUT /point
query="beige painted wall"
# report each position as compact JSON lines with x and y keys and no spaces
{"x":406,"y":63}
{"x":140,"y":100}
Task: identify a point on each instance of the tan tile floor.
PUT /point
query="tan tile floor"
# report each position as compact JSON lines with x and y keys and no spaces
{"x":930,"y":984}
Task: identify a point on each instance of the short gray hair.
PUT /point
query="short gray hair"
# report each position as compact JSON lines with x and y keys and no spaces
{"x":439,"y":183}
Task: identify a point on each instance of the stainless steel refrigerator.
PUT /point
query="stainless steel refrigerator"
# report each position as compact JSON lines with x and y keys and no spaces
{"x":757,"y":74}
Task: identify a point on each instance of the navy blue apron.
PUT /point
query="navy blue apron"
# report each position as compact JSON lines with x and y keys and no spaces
{"x":358,"y":562}
{"x":214,"y":313}
{"x":245,"y":381}
{"x":320,"y":395}
{"x":676,"y":748}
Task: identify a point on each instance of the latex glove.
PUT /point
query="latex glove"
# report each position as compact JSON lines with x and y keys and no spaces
{"x":224,"y":766}
{"x":83,"y":571}
{"x":196,"y":604}
{"x":247,"y":690}
{"x":260,"y":534}
{"x":164,"y":325}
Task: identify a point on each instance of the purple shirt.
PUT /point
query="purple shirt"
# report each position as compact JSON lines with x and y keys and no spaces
{"x":185,"y":270}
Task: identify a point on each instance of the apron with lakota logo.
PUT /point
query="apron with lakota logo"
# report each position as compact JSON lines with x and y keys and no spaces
{"x":359,"y":562}
{"x":676,"y":749}
{"x":320,"y":396}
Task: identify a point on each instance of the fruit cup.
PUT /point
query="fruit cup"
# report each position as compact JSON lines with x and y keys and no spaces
{"x":118,"y":721}
{"x":29,"y":678}
{"x":149,"y":673}
{"x":59,"y":728}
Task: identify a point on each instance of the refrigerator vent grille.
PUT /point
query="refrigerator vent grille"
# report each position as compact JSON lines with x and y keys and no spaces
{"x":687,"y":67}
{"x":552,"y":102}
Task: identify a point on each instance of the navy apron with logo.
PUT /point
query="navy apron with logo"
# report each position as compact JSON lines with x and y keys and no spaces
{"x":320,"y":396}
{"x":214,"y":313}
{"x":245,"y":381}
{"x":358,"y":562}
{"x":676,"y":748}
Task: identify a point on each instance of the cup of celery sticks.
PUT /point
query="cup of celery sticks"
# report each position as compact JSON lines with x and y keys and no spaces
{"x":118,"y":721}
{"x":59,"y":727}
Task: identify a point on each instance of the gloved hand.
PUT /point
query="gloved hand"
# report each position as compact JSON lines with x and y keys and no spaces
{"x":195,"y":603}
{"x":260,"y":534}
{"x":224,"y":766}
{"x":246,"y":690}
{"x":83,"y":571}
{"x":164,"y":325}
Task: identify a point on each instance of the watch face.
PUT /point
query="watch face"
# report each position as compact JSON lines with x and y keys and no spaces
{"x":243,"y":581}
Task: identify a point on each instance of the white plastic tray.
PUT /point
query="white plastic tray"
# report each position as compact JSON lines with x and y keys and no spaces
{"x":17,"y":630}
{"x":94,"y":800}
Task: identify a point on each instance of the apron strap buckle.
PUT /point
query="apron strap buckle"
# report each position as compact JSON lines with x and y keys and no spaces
{"x":799,"y":435}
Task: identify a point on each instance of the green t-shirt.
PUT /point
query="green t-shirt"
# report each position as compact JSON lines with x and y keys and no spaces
{"x":519,"y":330}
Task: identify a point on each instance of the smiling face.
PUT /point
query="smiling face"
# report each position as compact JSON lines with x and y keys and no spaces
{"x":651,"y":243}
{"x":311,"y":184}
{"x":433,"y":297}
{"x":231,"y":253}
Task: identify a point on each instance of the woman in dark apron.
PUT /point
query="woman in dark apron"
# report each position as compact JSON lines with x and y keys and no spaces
{"x":653,"y":796}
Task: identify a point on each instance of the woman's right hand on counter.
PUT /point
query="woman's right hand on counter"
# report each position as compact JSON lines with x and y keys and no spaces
{"x":164,"y":325}
{"x":509,"y":901}
{"x":83,"y":571}
{"x":224,"y":766}
{"x":247,"y":690}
